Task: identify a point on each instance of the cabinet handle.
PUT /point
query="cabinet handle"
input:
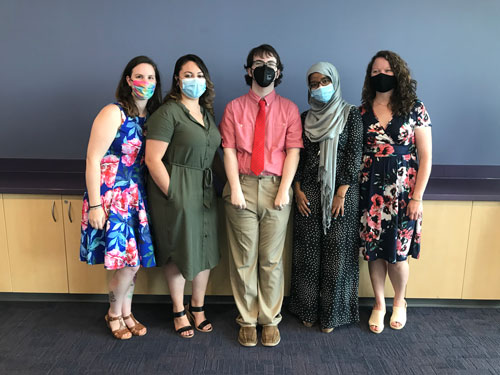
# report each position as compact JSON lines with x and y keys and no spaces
{"x":53,"y":215}
{"x":69,"y":213}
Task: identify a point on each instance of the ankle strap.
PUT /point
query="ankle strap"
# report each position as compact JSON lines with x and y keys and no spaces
{"x":179,"y":314}
{"x":113,"y":318}
{"x":196,"y":309}
{"x":131,"y":316}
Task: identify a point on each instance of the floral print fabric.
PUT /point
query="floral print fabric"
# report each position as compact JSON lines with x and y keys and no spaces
{"x":126,"y":240}
{"x":388,"y":175}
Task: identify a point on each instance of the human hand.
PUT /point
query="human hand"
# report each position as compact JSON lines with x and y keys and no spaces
{"x":414,"y":209}
{"x":97,"y":218}
{"x":238,"y":200}
{"x":281,"y":200}
{"x":302,"y":203}
{"x":338,"y":206}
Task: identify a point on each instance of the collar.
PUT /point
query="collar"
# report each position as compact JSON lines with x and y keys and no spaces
{"x":269,"y":98}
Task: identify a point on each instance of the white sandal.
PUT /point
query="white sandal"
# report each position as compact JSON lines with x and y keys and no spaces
{"x":398,"y":316}
{"x":376,"y":320}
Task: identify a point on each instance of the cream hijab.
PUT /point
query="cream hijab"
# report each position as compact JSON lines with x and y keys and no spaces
{"x":324,"y":123}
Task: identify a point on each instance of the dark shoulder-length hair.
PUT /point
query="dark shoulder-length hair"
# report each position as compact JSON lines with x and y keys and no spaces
{"x":263,"y":50}
{"x":124,"y":91}
{"x":404,"y":95}
{"x":207,"y":99}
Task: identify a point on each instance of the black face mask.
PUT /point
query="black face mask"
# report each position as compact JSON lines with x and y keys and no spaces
{"x":382,"y":82}
{"x":264,"y":75}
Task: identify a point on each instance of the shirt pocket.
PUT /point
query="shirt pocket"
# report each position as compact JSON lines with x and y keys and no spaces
{"x":244,"y":137}
{"x":276,"y":136}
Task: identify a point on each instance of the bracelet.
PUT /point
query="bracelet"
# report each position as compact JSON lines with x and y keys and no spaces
{"x":416,"y":200}
{"x":96,"y":206}
{"x":340,"y":196}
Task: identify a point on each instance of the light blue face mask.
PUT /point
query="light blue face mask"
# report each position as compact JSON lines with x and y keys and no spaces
{"x":323,"y":94}
{"x":194,"y":87}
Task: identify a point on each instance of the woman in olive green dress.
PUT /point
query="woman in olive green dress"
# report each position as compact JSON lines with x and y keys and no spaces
{"x":182,"y":140}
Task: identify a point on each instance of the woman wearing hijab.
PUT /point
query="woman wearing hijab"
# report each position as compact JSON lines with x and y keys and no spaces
{"x":325,"y":268}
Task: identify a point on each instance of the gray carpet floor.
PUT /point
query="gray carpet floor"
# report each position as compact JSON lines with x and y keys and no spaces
{"x":71,"y":338}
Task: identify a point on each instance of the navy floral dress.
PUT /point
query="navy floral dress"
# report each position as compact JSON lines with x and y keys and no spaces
{"x":126,"y":239}
{"x":388,"y":175}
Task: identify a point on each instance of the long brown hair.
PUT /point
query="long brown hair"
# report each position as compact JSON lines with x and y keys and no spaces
{"x":404,"y":95}
{"x":124,"y":92}
{"x":207,"y":99}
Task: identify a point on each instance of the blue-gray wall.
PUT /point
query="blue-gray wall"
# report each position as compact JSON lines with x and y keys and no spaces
{"x":61,"y":60}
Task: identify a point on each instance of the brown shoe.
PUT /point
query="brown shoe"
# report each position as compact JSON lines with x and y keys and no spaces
{"x":122,"y":332}
{"x":138,"y":329}
{"x":248,"y":336}
{"x":270,"y":336}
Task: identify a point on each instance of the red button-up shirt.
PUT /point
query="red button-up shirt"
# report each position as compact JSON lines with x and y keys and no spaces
{"x":283,"y":130}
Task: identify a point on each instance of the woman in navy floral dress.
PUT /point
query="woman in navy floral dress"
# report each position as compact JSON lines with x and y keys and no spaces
{"x":394,"y":173}
{"x":115,"y":229}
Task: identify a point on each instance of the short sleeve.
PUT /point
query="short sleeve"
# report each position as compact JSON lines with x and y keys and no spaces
{"x":422,"y":117}
{"x":226,"y":128}
{"x":161,"y":124}
{"x":294,"y":130}
{"x":303,"y":154}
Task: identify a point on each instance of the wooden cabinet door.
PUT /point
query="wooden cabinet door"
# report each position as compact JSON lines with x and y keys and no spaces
{"x":439,"y":272}
{"x":482,"y":270}
{"x":82,"y":278}
{"x":35,"y":235}
{"x":5,"y":283}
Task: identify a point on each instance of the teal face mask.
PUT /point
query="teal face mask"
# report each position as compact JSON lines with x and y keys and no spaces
{"x":323,"y":94}
{"x":194,"y":87}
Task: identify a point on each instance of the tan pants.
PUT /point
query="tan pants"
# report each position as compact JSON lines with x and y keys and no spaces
{"x":256,"y":237}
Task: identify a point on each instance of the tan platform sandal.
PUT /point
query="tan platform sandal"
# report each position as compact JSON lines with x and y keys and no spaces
{"x":200,"y":327}
{"x":138,"y":329}
{"x":122,"y":333}
{"x":376,"y":320}
{"x":398,"y":316}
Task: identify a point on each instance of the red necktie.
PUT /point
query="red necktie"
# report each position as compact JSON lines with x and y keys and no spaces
{"x":257,"y":162}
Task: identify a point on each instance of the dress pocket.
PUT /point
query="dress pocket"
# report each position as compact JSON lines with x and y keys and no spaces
{"x":172,"y":181}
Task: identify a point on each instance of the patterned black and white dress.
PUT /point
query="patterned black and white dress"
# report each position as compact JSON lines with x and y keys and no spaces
{"x":325,"y":268}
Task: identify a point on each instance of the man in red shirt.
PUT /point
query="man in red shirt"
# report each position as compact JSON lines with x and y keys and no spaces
{"x":262,"y":136}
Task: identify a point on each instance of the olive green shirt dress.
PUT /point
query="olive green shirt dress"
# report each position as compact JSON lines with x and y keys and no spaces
{"x":184,"y":222}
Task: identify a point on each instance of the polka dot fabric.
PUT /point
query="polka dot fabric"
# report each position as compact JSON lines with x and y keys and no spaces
{"x":325,"y":268}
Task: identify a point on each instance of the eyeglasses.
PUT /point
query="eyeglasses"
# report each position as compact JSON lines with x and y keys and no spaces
{"x":323,"y":82}
{"x":259,"y":63}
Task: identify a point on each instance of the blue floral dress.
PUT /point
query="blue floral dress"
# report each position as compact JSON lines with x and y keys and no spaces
{"x":126,"y":239}
{"x":388,"y":174}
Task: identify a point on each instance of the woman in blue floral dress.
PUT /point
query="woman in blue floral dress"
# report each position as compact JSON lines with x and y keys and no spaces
{"x":394,"y":173}
{"x":115,"y":229}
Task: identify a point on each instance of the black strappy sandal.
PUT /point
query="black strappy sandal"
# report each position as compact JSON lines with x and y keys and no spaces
{"x":185,"y":328}
{"x":190,"y":309}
